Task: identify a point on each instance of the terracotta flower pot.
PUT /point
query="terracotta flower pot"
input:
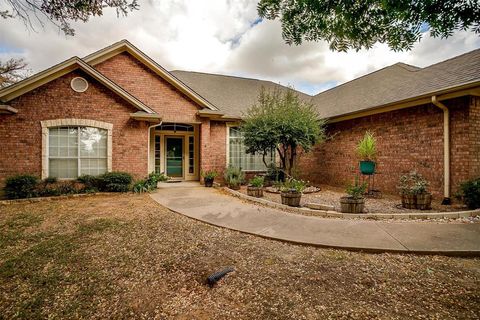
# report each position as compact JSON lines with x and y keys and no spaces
{"x":351,"y":205}
{"x":255,"y":191}
{"x":291,"y":199}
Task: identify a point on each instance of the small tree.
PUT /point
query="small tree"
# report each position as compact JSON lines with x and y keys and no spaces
{"x":281,"y":121}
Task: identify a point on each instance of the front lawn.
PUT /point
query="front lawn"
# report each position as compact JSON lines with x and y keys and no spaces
{"x":124,"y":256}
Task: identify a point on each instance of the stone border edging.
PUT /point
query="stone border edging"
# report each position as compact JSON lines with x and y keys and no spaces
{"x":54,"y":198}
{"x":335,"y":214}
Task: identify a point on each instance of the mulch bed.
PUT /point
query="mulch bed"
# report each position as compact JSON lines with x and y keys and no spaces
{"x":126,"y":257}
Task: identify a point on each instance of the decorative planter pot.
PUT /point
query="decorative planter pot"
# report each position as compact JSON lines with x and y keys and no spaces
{"x":208,"y":182}
{"x":234,"y":186}
{"x":255,"y":191}
{"x":367,"y":167}
{"x":424,"y":201}
{"x":351,"y":205}
{"x":291,"y":199}
{"x":409,"y":201}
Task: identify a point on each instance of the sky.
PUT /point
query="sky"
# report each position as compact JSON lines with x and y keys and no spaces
{"x":218,"y":36}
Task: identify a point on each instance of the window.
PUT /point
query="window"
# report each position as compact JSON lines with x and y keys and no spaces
{"x":175,"y":127}
{"x":238,"y":157}
{"x":75,"y":151}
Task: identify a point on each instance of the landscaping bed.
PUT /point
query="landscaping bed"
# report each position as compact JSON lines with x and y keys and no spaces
{"x":329,"y":195}
{"x":124,"y":256}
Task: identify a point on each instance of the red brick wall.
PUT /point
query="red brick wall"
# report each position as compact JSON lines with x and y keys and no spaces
{"x":21,"y":133}
{"x":474,"y":117}
{"x":213,"y":147}
{"x":150,"y":88}
{"x":407,"y":139}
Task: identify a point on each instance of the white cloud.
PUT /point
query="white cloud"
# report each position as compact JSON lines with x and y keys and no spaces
{"x":218,"y":37}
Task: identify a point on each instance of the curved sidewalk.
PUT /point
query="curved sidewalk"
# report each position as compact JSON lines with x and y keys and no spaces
{"x":211,"y":206}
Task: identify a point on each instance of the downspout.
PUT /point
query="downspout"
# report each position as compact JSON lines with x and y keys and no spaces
{"x":446,"y":150}
{"x":148,"y":149}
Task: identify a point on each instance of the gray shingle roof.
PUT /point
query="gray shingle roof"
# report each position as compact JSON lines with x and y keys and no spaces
{"x":232,"y":95}
{"x":397,"y":83}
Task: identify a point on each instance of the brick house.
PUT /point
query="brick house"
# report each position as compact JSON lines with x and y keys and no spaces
{"x":118,"y":110}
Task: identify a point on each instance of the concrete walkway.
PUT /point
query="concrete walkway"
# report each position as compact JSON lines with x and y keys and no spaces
{"x":212,"y":206}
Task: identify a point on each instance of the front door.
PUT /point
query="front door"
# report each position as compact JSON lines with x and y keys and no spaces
{"x":174,"y":156}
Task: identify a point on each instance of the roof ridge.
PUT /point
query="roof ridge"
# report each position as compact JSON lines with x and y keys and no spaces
{"x":361,"y":77}
{"x":224,"y":75}
{"x":245,"y":78}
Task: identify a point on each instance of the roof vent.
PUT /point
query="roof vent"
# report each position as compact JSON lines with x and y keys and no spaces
{"x":79,"y":84}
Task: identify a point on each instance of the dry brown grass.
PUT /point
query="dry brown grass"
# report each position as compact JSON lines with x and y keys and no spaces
{"x":124,"y":256}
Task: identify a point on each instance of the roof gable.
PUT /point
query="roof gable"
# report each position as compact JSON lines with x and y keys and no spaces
{"x":125,"y":46}
{"x":74,"y":63}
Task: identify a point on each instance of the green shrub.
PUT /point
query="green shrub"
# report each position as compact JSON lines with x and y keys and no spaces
{"x":412,"y":183}
{"x":50,"y":180}
{"x":356,"y":190}
{"x":471,"y":193}
{"x":140,"y":186}
{"x":234,"y":176}
{"x":293,"y":185}
{"x":257,"y":181}
{"x":209,"y":174}
{"x":150,"y":183}
{"x":115,"y":182}
{"x":275,"y":173}
{"x":21,"y":186}
{"x":366,"y":148}
{"x":91,"y":183}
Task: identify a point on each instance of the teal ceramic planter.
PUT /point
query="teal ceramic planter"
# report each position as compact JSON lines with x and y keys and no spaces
{"x":367,"y":167}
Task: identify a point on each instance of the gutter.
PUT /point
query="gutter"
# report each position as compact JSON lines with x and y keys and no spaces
{"x":148,"y":147}
{"x":446,"y":149}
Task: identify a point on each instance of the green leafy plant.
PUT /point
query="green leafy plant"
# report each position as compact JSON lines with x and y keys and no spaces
{"x":21,"y":186}
{"x":281,"y":121}
{"x":471,"y":193}
{"x":293,"y":185}
{"x":234,"y":176}
{"x":367,"y":147}
{"x":412,"y":183}
{"x":356,"y":190}
{"x":91,"y":183}
{"x":150,"y":183}
{"x":209,"y":174}
{"x":257,"y":181}
{"x":140,"y":186}
{"x":115,"y":182}
{"x":275,"y":173}
{"x":50,"y":180}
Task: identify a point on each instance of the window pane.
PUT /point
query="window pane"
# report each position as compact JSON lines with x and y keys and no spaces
{"x":93,"y":142}
{"x":63,"y":168}
{"x":93,"y":166}
{"x":238,"y":157}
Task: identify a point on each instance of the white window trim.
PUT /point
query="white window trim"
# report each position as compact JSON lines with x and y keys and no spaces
{"x":47,"y":124}
{"x":227,"y":148}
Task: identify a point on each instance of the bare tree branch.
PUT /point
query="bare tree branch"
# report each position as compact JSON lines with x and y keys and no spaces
{"x":12,"y":70}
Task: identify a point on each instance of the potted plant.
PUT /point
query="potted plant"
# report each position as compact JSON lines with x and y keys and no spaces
{"x":208,"y":177}
{"x":291,"y":192}
{"x":413,"y":189}
{"x":255,"y":187}
{"x":367,"y":152}
{"x":234,"y":177}
{"x":354,"y":202}
{"x":423,"y":197}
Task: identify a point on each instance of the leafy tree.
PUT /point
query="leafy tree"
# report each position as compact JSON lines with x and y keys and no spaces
{"x":281,"y":121}
{"x":358,"y":24}
{"x":11,"y":71}
{"x":62,"y":12}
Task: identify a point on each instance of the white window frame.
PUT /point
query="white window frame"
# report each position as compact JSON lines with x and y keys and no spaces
{"x":47,"y":124}
{"x":237,"y":124}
